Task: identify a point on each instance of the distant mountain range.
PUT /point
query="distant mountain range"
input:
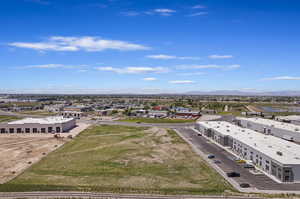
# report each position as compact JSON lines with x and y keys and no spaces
{"x":245,"y":93}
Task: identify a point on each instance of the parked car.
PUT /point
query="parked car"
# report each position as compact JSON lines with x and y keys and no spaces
{"x":211,"y":156}
{"x":241,"y":161}
{"x":233,"y":174}
{"x":248,"y":166}
{"x":199,"y":134}
{"x":217,"y":162}
{"x":244,"y":185}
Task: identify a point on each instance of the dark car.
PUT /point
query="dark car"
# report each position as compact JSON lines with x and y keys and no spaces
{"x":233,"y":174}
{"x":211,"y":156}
{"x":244,"y":185}
{"x":217,"y":162}
{"x":248,"y":166}
{"x":199,"y":134}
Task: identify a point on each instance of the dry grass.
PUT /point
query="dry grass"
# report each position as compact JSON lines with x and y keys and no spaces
{"x":123,"y":159}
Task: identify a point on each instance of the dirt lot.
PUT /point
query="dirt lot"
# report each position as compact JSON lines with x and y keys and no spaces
{"x":20,"y":151}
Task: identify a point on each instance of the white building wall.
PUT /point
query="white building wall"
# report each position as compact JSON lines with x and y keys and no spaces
{"x":66,"y":126}
{"x":267,"y":129}
{"x":246,"y":152}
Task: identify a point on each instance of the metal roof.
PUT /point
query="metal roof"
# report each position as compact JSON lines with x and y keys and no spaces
{"x":272,"y":123}
{"x":266,"y":144}
{"x":47,"y":120}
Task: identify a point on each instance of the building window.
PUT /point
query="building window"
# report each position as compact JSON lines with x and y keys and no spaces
{"x":43,"y":130}
{"x":286,"y":178}
{"x":2,"y":130}
{"x":34,"y":130}
{"x":19,"y":130}
{"x":267,"y":167}
{"x":50,"y":129}
{"x":58,"y":129}
{"x":11,"y":130}
{"x":27,"y":130}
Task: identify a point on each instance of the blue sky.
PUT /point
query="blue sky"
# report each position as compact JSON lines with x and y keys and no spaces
{"x":149,"y":46}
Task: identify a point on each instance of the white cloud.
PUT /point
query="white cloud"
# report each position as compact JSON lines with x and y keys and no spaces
{"x":197,"y":14}
{"x":162,"y":11}
{"x":133,"y":70}
{"x":167,"y":57}
{"x":53,"y":66}
{"x":58,"y":43}
{"x":232,"y":67}
{"x":220,"y":56}
{"x":191,"y":74}
{"x":199,"y":7}
{"x":198,"y":66}
{"x":42,"y":2}
{"x":282,"y":78}
{"x":181,"y":82}
{"x":209,"y":66}
{"x":130,"y":13}
{"x":149,"y":79}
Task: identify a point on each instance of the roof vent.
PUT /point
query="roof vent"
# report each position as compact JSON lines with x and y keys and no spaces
{"x":279,"y":153}
{"x":270,"y":146}
{"x":297,"y":158}
{"x":296,"y":129}
{"x":228,"y":130}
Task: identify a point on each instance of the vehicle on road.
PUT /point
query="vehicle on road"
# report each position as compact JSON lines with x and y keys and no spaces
{"x":199,"y":134}
{"x":241,"y":161}
{"x":248,"y":166}
{"x":244,"y":185}
{"x":233,"y":174}
{"x":217,"y":162}
{"x":211,"y":156}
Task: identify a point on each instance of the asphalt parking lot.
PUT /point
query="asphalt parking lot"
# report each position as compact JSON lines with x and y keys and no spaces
{"x":259,"y":181}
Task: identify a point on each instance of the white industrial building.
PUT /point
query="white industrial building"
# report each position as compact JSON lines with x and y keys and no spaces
{"x":283,"y":130}
{"x":276,"y":157}
{"x":293,"y":119}
{"x":39,"y":125}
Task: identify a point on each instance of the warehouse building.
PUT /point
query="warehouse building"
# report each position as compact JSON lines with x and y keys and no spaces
{"x":293,"y":119}
{"x":39,"y":125}
{"x":283,"y":130}
{"x":277,"y":157}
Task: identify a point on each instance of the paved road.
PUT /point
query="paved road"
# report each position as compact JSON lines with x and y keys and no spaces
{"x":32,"y":195}
{"x":260,"y":181}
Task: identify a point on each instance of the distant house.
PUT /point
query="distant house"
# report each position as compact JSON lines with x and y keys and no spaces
{"x":78,"y":108}
{"x":157,"y":114}
{"x":188,"y":114}
{"x":72,"y":114}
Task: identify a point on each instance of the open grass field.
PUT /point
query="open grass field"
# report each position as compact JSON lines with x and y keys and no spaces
{"x":4,"y":118}
{"x":122,"y":159}
{"x":156,"y":120}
